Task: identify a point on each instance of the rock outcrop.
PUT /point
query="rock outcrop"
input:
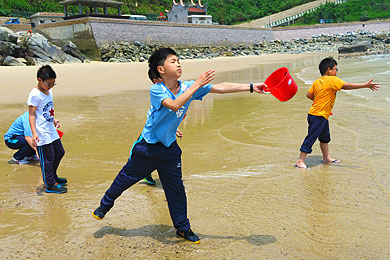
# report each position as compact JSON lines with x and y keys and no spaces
{"x":34,"y":49}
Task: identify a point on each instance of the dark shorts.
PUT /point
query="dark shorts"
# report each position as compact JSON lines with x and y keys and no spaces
{"x":318,"y":129}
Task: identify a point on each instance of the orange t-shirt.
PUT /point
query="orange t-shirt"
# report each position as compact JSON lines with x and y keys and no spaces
{"x":324,"y":90}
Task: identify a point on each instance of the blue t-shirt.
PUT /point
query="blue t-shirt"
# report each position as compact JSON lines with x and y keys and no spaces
{"x":21,"y":126}
{"x":162,"y":122}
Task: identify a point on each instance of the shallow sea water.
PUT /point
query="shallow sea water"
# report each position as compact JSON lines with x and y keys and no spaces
{"x":245,"y":198}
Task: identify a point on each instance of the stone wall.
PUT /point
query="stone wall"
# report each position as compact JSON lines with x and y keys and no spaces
{"x":176,"y":34}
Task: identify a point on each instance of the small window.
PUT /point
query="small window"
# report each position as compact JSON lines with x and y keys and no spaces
{"x":53,"y":20}
{"x":41,"y":21}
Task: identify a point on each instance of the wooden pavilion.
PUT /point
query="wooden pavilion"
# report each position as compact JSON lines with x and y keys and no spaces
{"x":93,"y":6}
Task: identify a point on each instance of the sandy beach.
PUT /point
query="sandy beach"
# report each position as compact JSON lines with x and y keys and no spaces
{"x":99,"y":78}
{"x":246,"y":200}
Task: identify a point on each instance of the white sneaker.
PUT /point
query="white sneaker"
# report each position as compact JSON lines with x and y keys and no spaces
{"x":32,"y":158}
{"x":23,"y":161}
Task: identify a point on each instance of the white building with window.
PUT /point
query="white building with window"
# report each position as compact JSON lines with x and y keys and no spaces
{"x":200,"y":19}
{"x":43,"y":17}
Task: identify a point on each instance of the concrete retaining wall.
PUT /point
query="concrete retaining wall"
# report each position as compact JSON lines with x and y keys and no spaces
{"x":175,"y":34}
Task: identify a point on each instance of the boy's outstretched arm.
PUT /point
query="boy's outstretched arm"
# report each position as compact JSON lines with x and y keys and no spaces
{"x":369,"y":84}
{"x":228,"y":87}
{"x":175,"y":105}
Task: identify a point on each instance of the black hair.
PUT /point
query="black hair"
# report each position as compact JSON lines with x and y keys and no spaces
{"x":152,"y":75}
{"x":158,"y":58}
{"x":46,"y":72}
{"x":327,"y":63}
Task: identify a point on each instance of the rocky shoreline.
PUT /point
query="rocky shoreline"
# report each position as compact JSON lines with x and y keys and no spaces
{"x":26,"y":48}
{"x":361,"y":42}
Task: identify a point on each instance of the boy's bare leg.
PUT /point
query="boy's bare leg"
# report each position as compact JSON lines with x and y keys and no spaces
{"x":301,"y":161}
{"x":325,"y":153}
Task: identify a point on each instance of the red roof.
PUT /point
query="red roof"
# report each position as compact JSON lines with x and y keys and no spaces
{"x":195,"y":10}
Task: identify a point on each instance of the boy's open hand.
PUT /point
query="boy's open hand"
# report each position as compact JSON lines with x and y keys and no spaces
{"x":56,"y":123}
{"x":205,"y":78}
{"x":35,"y":139}
{"x":371,"y":85}
{"x":179,"y":133}
{"x":259,"y":88}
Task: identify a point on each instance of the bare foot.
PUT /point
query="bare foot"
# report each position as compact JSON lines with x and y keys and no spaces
{"x":301,"y":164}
{"x":330,"y":160}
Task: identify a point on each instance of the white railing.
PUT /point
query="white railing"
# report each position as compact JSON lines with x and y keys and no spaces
{"x":292,"y":18}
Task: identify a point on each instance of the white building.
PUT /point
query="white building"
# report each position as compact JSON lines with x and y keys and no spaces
{"x":200,"y":19}
{"x":43,"y":18}
{"x":190,"y":12}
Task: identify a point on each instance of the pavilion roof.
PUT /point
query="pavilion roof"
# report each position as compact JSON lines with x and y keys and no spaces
{"x":90,"y":2}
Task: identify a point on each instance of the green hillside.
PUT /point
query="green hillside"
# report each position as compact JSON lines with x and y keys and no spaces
{"x":223,"y":11}
{"x":352,"y":10}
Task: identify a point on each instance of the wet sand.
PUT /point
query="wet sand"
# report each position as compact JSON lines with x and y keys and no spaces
{"x":245,"y":198}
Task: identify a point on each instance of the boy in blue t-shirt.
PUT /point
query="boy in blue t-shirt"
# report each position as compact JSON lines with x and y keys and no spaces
{"x":155,"y":80}
{"x":156,"y":148}
{"x":19,"y":137}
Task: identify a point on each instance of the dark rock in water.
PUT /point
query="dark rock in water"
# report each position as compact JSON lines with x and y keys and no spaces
{"x":12,"y":61}
{"x":354,"y":48}
{"x":71,"y":49}
{"x":9,"y":49}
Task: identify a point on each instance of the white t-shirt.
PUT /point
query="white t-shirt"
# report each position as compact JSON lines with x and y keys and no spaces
{"x":44,"y":116}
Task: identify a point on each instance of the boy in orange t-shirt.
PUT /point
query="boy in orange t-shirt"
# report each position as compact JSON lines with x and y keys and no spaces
{"x":323,"y":93}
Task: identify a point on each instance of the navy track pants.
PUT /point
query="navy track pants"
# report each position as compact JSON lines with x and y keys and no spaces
{"x":50,"y":156}
{"x":144,"y":159}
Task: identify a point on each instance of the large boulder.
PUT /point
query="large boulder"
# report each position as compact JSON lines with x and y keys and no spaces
{"x":9,"y":49}
{"x":71,"y":59}
{"x":8,"y":35}
{"x":381,"y":36}
{"x":12,"y":61}
{"x":71,"y":49}
{"x":355,"y":47}
{"x":40,"y":48}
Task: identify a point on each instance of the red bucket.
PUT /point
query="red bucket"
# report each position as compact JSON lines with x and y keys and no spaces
{"x":60,"y":133}
{"x":281,"y":84}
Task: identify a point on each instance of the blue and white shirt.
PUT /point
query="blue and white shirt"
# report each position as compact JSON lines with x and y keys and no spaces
{"x":21,"y":126}
{"x":162,"y":122}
